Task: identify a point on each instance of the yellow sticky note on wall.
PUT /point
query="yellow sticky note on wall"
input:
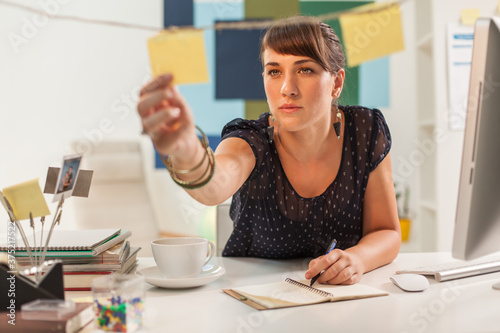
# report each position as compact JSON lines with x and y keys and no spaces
{"x":25,"y":198}
{"x":180,"y":52}
{"x":469,"y":16}
{"x":371,"y":34}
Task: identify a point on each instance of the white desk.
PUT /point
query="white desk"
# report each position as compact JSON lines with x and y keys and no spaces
{"x":464,"y":305}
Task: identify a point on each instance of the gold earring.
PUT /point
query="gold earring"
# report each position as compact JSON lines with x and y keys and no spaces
{"x":270,"y":130}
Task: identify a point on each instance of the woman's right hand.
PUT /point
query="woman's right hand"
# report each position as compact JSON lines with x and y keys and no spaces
{"x":167,"y":118}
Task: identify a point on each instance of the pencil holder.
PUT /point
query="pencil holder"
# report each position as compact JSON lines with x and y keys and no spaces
{"x":118,"y":303}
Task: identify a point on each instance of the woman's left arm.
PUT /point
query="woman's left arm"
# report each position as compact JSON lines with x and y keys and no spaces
{"x":381,"y":234}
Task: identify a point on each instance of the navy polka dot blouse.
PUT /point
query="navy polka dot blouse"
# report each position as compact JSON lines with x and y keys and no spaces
{"x":272,"y":221}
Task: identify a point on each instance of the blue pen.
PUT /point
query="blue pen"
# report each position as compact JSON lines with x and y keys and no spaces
{"x":330,"y":249}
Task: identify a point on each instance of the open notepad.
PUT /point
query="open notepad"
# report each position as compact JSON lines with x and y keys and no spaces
{"x":290,"y":293}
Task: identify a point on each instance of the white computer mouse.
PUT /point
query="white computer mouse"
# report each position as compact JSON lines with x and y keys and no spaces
{"x":410,"y":282}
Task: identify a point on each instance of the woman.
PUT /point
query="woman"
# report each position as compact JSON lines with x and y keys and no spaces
{"x":307,"y":173}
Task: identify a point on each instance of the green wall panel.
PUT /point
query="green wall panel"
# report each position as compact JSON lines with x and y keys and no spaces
{"x":254,"y":108}
{"x":275,"y":9}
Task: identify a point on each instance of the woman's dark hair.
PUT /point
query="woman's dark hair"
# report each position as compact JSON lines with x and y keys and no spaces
{"x":306,"y":36}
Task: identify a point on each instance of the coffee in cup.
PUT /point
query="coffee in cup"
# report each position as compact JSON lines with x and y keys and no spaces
{"x":182,"y":257}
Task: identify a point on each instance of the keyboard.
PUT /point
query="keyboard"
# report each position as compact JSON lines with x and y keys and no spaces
{"x":458,"y":269}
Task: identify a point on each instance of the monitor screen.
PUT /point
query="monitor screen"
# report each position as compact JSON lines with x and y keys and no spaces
{"x":477,"y":222}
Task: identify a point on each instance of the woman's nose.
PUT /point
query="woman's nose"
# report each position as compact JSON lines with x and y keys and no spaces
{"x":289,"y":87}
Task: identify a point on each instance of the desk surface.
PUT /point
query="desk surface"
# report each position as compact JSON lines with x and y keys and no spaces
{"x":464,"y":305}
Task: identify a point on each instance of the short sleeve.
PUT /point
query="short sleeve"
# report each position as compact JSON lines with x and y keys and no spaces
{"x":252,"y":131}
{"x":381,"y":140}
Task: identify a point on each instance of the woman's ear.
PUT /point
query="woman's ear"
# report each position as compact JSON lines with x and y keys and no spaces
{"x":339,"y":83}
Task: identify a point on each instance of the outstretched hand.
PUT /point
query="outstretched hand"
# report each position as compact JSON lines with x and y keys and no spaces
{"x":337,"y":267}
{"x":166,"y":116}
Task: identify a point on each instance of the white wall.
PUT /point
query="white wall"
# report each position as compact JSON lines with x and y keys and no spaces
{"x":62,"y":80}
{"x":402,"y":116}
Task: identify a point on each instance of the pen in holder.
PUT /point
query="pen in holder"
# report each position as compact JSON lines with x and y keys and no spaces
{"x":20,"y":288}
{"x":43,"y":279}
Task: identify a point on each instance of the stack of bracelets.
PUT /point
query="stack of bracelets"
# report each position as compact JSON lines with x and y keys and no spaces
{"x":207,"y":174}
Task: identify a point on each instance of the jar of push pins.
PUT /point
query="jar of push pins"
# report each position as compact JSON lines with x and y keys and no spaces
{"x":118,"y":302}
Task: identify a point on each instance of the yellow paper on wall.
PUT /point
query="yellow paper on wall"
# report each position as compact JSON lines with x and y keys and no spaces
{"x":180,"y":52}
{"x":470,"y":16}
{"x":25,"y":198}
{"x":371,"y":34}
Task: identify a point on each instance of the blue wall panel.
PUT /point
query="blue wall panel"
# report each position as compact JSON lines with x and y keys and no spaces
{"x":374,"y":83}
{"x":237,"y":65}
{"x":177,"y":12}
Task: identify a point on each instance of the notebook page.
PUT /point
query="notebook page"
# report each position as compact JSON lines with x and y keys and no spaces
{"x":354,"y":291}
{"x":280,"y":294}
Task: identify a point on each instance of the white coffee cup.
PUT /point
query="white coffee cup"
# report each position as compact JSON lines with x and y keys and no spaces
{"x":182,"y":257}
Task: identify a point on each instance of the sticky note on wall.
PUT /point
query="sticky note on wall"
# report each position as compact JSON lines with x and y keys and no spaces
{"x":371,"y":31}
{"x":180,"y":52}
{"x":469,"y":16}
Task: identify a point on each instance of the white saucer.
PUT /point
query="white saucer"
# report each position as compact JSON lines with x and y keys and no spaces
{"x":208,"y":274}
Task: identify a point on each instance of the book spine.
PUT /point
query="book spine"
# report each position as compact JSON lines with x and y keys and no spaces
{"x":52,"y":254}
{"x":88,"y":272}
{"x":76,"y":281}
{"x":78,"y":289}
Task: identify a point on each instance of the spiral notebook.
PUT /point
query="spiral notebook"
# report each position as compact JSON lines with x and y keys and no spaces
{"x":88,"y":242}
{"x":290,"y":293}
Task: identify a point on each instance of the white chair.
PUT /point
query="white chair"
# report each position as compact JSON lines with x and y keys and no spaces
{"x":224,"y":226}
{"x":118,"y":196}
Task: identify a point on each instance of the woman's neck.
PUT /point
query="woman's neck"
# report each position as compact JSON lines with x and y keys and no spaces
{"x":309,"y":145}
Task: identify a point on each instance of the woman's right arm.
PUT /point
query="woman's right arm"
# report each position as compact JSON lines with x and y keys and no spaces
{"x":168,"y":120}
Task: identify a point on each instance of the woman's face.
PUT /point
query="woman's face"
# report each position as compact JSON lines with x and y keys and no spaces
{"x":299,"y":91}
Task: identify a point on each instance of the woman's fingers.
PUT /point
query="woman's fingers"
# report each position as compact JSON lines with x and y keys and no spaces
{"x":334,"y":265}
{"x":319,"y":264}
{"x":166,"y":116}
{"x":155,"y":100}
{"x":337,"y":275}
{"x":158,"y":83}
{"x":163,"y":118}
{"x":337,"y":267}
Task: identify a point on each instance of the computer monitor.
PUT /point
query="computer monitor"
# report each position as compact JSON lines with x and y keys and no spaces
{"x":477,"y":223}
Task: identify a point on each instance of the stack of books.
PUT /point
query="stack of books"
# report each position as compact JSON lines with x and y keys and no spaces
{"x":85,"y":254}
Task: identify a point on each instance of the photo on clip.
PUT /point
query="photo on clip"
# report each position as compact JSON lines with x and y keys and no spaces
{"x":67,"y":176}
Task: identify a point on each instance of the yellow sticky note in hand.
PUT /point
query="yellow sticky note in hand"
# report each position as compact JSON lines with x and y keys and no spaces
{"x":180,"y":52}
{"x":25,"y":198}
{"x":370,"y":32}
{"x":470,"y":16}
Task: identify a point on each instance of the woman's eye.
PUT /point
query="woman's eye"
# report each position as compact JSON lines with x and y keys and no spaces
{"x":273,"y":72}
{"x":305,"y":70}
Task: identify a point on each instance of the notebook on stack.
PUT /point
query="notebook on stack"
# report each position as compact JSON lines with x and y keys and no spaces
{"x":72,"y":243}
{"x":85,"y":254}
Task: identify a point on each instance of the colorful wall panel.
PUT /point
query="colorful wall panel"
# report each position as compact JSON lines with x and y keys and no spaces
{"x":235,"y":88}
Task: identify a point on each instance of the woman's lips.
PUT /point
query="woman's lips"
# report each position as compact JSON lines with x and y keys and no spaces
{"x":289,"y":108}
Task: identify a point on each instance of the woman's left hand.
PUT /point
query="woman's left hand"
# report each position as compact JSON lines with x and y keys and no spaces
{"x":338,"y":267}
